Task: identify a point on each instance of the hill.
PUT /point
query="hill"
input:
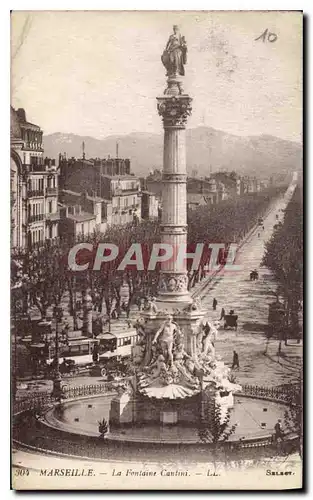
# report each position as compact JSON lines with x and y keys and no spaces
{"x":262,"y":155}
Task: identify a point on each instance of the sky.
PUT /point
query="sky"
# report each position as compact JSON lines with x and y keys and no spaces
{"x":98,"y":73}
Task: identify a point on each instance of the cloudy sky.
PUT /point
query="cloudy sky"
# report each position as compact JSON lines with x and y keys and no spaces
{"x":98,"y":73}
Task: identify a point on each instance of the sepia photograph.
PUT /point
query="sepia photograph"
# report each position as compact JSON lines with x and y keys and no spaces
{"x":156,"y":250}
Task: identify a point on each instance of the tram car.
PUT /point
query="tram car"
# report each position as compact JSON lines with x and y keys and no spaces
{"x":276,"y":317}
{"x":114,"y":351}
{"x":74,"y":355}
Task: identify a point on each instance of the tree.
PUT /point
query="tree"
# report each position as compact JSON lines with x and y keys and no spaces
{"x":293,"y":417}
{"x":44,"y":278}
{"x":103,"y":427}
{"x":214,"y":427}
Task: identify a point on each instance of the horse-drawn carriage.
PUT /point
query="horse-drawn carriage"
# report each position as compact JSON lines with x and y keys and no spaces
{"x":254,"y":275}
{"x":230,"y":321}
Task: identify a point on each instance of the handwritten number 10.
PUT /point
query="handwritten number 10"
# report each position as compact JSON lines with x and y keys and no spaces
{"x":267,"y":36}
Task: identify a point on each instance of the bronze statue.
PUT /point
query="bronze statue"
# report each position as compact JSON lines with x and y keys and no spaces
{"x":175,"y":54}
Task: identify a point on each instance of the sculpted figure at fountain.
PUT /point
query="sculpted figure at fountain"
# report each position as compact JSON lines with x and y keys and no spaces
{"x":151,"y":305}
{"x":165,"y":337}
{"x":181,"y":365}
{"x":153,"y":371}
{"x":205,"y":340}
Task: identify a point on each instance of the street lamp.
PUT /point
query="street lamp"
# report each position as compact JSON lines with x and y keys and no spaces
{"x":57,"y":389}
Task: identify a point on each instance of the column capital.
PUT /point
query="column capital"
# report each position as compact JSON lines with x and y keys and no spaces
{"x":174,"y":110}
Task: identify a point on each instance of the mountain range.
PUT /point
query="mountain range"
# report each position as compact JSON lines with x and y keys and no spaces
{"x":207,"y":150}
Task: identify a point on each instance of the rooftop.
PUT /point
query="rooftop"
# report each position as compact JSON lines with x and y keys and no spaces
{"x":82,"y":217}
{"x":120,"y":176}
{"x":18,"y":121}
{"x":148,"y":192}
{"x":195,"y":198}
{"x":88,"y":196}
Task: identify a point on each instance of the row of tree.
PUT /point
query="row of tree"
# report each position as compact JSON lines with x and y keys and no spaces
{"x":284,"y":257}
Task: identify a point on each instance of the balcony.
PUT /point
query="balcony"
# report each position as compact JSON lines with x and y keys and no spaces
{"x":35,"y":167}
{"x":36,"y":192}
{"x":35,"y":218}
{"x":51,"y":191}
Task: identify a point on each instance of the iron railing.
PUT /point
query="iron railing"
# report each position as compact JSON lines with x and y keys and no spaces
{"x":35,"y":192}
{"x":286,"y":394}
{"x":43,"y":399}
{"x":35,"y":218}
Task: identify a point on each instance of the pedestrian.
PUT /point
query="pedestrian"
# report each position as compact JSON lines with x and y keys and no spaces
{"x":214,"y":304}
{"x":235,"y":360}
{"x":259,"y":235}
{"x":222,"y":314}
{"x":279,"y":434}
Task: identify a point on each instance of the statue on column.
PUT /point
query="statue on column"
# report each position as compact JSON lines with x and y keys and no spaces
{"x":174,"y":56}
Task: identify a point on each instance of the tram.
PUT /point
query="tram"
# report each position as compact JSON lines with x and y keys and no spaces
{"x":74,"y":354}
{"x":102,"y":355}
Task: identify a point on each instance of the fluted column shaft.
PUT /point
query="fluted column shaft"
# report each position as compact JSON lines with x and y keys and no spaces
{"x":174,"y":111}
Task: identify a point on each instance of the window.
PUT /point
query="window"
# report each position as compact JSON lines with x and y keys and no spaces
{"x":127,"y":341}
{"x":84,"y":349}
{"x":50,"y":207}
{"x":74,"y":349}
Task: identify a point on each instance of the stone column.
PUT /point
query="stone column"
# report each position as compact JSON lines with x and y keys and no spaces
{"x":174,"y":110}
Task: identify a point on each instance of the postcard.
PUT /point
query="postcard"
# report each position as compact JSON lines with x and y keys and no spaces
{"x":156,"y":250}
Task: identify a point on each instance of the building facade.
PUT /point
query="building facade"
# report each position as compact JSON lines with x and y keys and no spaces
{"x":149,"y":205}
{"x":34,"y":185}
{"x":82,"y":214}
{"x":108,"y":179}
